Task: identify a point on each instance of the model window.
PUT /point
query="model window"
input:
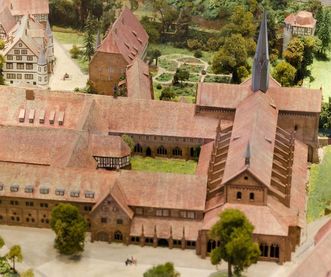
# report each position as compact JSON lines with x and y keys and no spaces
{"x":239,"y":195}
{"x":103,"y":219}
{"x":158,"y":212}
{"x":19,"y":76}
{"x":177,"y":151}
{"x":29,"y":58}
{"x":9,"y":57}
{"x":16,"y":52}
{"x":191,"y":215}
{"x":252,"y":196}
{"x":139,"y":211}
{"x":9,"y":66}
{"x":29,"y":66}
{"x":18,"y":58}
{"x":24,"y":52}
{"x":182,"y":214}
{"x":119,"y":221}
{"x":161,"y":150}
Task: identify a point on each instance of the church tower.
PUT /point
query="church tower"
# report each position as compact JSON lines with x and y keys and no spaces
{"x":260,"y":78}
{"x":42,"y":68}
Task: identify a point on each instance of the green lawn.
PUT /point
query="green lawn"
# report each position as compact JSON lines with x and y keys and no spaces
{"x":69,"y":37}
{"x":164,"y":77}
{"x":320,"y":71}
{"x":319,"y":187}
{"x":167,"y":49}
{"x":163,"y":165}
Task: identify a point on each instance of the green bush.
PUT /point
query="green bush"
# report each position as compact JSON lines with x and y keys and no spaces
{"x":159,"y":86}
{"x":75,"y":52}
{"x":198,"y":54}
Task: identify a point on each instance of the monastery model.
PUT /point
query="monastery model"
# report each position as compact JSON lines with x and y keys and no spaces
{"x":252,"y":140}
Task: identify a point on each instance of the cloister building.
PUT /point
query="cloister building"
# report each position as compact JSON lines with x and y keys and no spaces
{"x":252,"y":142}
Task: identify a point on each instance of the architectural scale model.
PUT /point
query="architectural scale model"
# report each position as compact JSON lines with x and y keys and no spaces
{"x":254,"y":141}
{"x":29,"y":49}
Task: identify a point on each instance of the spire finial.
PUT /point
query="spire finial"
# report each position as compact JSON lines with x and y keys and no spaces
{"x":260,"y":78}
{"x":248,"y":155}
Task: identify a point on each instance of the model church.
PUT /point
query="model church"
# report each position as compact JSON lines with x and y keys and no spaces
{"x":252,"y":141}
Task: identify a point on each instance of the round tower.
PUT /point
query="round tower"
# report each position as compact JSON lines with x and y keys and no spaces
{"x":42,"y":68}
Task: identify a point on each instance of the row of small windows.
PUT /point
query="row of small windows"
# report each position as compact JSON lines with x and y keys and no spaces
{"x":19,"y":76}
{"x":46,"y":190}
{"x":87,"y":208}
{"x":23,"y":52}
{"x":15,"y":218}
{"x":108,"y":162}
{"x":176,"y":242}
{"x":161,"y":150}
{"x":168,"y":138}
{"x":167,"y":213}
{"x":28,"y":66}
{"x":19,"y":58}
{"x":251,"y":196}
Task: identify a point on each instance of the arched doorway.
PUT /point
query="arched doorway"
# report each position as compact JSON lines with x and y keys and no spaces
{"x":118,"y":236}
{"x":148,"y":152}
{"x":162,"y":243}
{"x":102,"y":236}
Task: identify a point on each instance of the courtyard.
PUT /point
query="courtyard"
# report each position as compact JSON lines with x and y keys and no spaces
{"x":103,"y":259}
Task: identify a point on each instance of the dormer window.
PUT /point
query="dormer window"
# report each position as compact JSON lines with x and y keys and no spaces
{"x":28,"y":189}
{"x":74,"y":193}
{"x":59,"y":192}
{"x":89,"y":194}
{"x":44,"y":190}
{"x":14,"y":188}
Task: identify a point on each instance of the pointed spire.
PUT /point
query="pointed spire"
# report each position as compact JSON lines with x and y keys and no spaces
{"x":260,"y":78}
{"x":248,"y":155}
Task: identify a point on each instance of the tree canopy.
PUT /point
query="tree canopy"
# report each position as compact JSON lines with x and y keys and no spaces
{"x":232,"y":58}
{"x":163,"y":270}
{"x":284,"y":73}
{"x":234,"y":232}
{"x":70,"y":228}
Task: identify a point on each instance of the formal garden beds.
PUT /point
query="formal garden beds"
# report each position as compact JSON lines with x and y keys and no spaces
{"x":163,"y":165}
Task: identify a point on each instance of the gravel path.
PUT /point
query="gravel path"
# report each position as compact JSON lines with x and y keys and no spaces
{"x":64,"y":64}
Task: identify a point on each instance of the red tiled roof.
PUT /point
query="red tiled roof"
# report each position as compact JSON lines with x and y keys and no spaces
{"x":117,"y":193}
{"x":126,"y":36}
{"x":254,"y":127}
{"x":22,"y":7}
{"x":261,"y":217}
{"x":286,"y":99}
{"x":204,"y":159}
{"x":108,"y":146}
{"x":103,"y":114}
{"x":318,"y":262}
{"x":164,"y":190}
{"x":69,"y":179}
{"x":138,"y":80}
{"x":149,"y":117}
{"x":164,"y":227}
{"x":6,"y":19}
{"x":301,"y":19}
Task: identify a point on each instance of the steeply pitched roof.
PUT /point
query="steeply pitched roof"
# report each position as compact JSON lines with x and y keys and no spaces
{"x":6,"y":19}
{"x":164,"y":190}
{"x":126,"y":36}
{"x":138,"y":80}
{"x":254,"y":125}
{"x":23,"y":7}
{"x":301,"y":19}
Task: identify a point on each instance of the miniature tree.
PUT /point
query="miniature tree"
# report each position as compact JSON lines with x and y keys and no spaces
{"x":70,"y":228}
{"x":89,"y":38}
{"x":234,"y":232}
{"x":163,"y":270}
{"x":15,"y":255}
